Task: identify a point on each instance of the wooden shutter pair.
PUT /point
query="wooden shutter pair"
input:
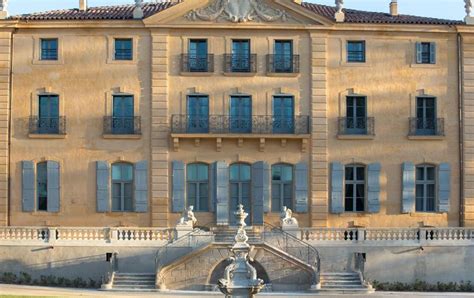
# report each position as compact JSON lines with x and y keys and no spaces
{"x":29,"y":186}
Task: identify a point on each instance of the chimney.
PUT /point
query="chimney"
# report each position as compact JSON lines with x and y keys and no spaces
{"x":394,"y":8}
{"x":82,"y":5}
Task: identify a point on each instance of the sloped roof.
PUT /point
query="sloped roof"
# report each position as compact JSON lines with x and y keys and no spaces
{"x":125,"y":12}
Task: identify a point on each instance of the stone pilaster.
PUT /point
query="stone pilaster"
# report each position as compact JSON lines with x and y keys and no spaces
{"x":319,"y":137}
{"x":160,"y":131}
{"x":5,"y":66}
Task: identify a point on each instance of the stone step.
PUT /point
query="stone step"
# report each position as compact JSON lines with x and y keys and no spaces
{"x":341,"y":284}
{"x":359,"y":286}
{"x":134,"y":282}
{"x":136,"y":287}
{"x":340,"y":278}
{"x":134,"y":277}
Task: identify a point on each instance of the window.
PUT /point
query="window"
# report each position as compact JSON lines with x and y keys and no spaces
{"x":240,"y":114}
{"x":354,"y":188}
{"x":42,"y":186}
{"x":283,"y":60}
{"x":426,"y":53}
{"x":425,"y":188}
{"x":48,"y":114}
{"x":356,"y":115}
{"x":198,"y":186}
{"x":240,"y":61}
{"x":282,"y":187}
{"x":283,"y":114}
{"x":240,"y":181}
{"x":49,"y":49}
{"x":123,"y":118}
{"x":356,"y":51}
{"x":123,"y":49}
{"x":198,"y":114}
{"x":198,"y":50}
{"x":426,"y":116}
{"x":122,"y":187}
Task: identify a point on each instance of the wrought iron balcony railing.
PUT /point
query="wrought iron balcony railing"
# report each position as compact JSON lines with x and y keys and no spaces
{"x":357,"y":126}
{"x":197,"y":63}
{"x":240,"y":63}
{"x":47,"y":125}
{"x":283,"y":63}
{"x":122,"y":125}
{"x":426,"y":127}
{"x":224,"y":124}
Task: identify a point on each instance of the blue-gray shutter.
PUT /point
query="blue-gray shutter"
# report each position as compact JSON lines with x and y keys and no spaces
{"x":212,"y":183}
{"x":53,"y":186}
{"x":221,"y":192}
{"x":419,"y":53}
{"x":444,"y":187}
{"x":179,"y":180}
{"x":103,"y":190}
{"x":433,"y":53}
{"x":141,"y":186}
{"x":260,"y":190}
{"x":408,"y":192}
{"x":337,"y":186}
{"x":301,"y":187}
{"x":28,"y":186}
{"x":373,"y":187}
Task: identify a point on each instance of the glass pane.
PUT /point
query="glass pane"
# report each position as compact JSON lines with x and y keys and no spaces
{"x":191,"y":172}
{"x":420,"y":173}
{"x":191,"y":201}
{"x":349,"y":173}
{"x":430,"y":173}
{"x":116,"y":197}
{"x":359,"y":204}
{"x":287,"y":173}
{"x":288,"y":195}
{"x":203,"y":172}
{"x":245,"y":172}
{"x":128,"y":197}
{"x":234,"y":191}
{"x":430,"y":199}
{"x":419,"y":197}
{"x":360,"y":173}
{"x":127,"y":172}
{"x":116,"y":172}
{"x":203,"y":197}
{"x":349,"y":198}
{"x":245,"y":190}
{"x":234,"y":172}
{"x":276,"y":173}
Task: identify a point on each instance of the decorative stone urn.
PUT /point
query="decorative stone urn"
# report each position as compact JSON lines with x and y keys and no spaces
{"x":240,"y":278}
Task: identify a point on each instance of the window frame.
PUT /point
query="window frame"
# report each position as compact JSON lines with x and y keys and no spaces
{"x":426,"y":131}
{"x":426,"y":57}
{"x":122,"y":183}
{"x":240,"y":184}
{"x":425,"y":183}
{"x":121,"y":56}
{"x":198,"y":56}
{"x":354,"y":184}
{"x":44,"y":166}
{"x":363,"y":52}
{"x":42,"y":56}
{"x":238,"y":58}
{"x":281,"y":188}
{"x":198,"y":183}
{"x":355,"y":130}
{"x":283,"y":56}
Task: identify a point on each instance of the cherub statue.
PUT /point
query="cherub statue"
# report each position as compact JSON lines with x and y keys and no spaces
{"x":188,"y":216}
{"x":3,"y":5}
{"x":287,"y":216}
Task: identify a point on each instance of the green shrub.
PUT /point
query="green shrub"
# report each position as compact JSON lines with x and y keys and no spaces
{"x":25,"y":278}
{"x":47,"y":281}
{"x":423,"y":286}
{"x":9,"y":278}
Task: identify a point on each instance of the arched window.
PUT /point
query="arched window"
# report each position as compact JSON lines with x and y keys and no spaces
{"x":355,"y":181}
{"x":240,"y":181}
{"x":197,"y":177}
{"x":122,"y":187}
{"x":425,"y":188}
{"x":42,"y":186}
{"x":282,"y":187}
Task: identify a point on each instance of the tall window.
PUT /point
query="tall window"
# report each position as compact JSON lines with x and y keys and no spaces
{"x":198,"y":50}
{"x":356,"y":51}
{"x":241,"y":114}
{"x":283,"y":60}
{"x":42,"y":186}
{"x":123,"y":120}
{"x":123,"y":49}
{"x":198,"y":114}
{"x":426,"y":53}
{"x":425,"y":188}
{"x":49,"y":49}
{"x":240,"y":56}
{"x":48,"y":118}
{"x":283,"y":114}
{"x":354,"y":188}
{"x":282,"y":187}
{"x":240,"y":181}
{"x":356,"y":115}
{"x":122,"y":187}
{"x":198,"y":186}
{"x":426,"y":116}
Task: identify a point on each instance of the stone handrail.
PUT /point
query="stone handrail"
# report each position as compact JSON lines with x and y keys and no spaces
{"x":85,"y":235}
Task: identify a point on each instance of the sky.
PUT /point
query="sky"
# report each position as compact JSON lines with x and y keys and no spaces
{"x":447,"y":9}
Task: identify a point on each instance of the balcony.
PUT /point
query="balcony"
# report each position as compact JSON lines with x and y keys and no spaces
{"x":197,"y":64}
{"x":231,"y":127}
{"x":356,"y":128}
{"x":47,"y":127}
{"x":283,"y":65}
{"x":122,"y":127}
{"x":240,"y":64}
{"x":424,"y":128}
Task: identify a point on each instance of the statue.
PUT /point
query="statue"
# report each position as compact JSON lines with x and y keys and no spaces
{"x":238,"y":11}
{"x":188,"y":217}
{"x":287,"y":217}
{"x":468,"y":7}
{"x":3,"y":5}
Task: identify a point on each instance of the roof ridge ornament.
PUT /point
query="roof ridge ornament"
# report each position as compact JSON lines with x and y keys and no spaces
{"x":339,"y":15}
{"x":468,"y":19}
{"x":3,"y":9}
{"x":138,"y":10}
{"x":238,"y":11}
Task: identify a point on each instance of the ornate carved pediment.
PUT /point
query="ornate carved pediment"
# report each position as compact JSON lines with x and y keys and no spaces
{"x":238,"y":11}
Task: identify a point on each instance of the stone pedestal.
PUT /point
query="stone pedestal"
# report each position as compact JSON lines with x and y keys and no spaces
{"x":340,"y":17}
{"x":291,"y":228}
{"x":469,"y":20}
{"x":184,"y":228}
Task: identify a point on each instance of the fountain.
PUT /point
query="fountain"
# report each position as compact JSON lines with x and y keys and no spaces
{"x":240,"y":278}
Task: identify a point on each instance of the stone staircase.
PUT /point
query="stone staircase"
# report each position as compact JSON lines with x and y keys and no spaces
{"x":133,"y":281}
{"x":227,"y":235}
{"x":343,"y":282}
